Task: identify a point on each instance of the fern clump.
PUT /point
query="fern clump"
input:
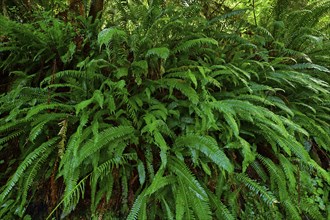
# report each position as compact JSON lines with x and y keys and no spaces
{"x":165,"y":110}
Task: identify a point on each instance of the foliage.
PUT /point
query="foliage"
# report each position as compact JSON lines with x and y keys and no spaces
{"x":166,"y":110}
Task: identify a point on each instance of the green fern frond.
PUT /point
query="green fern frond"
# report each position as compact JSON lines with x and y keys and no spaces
{"x":73,"y":144}
{"x":41,"y":107}
{"x":71,"y":196}
{"x":289,"y":171}
{"x":261,"y":191}
{"x":277,"y":175}
{"x":180,"y":85}
{"x":181,"y":170}
{"x":228,"y":114}
{"x":159,"y":182}
{"x":64,"y":85}
{"x":260,"y":170}
{"x":311,"y":209}
{"x":30,"y":175}
{"x":107,"y":34}
{"x":139,"y":201}
{"x":106,"y":136}
{"x":40,"y":121}
{"x":169,"y":212}
{"x":201,"y":208}
{"x":291,"y":209}
{"x":183,"y":203}
{"x":11,"y":136}
{"x":108,"y":165}
{"x":193,"y":43}
{"x":161,"y":52}
{"x":227,"y":15}
{"x":9,"y":126}
{"x":30,"y":159}
{"x":208,"y":146}
{"x":221,"y":210}
{"x":76,"y":74}
{"x":296,"y":147}
{"x":302,"y":66}
{"x":322,"y":172}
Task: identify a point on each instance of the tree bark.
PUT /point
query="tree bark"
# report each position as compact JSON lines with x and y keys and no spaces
{"x":77,"y":7}
{"x":96,"y":8}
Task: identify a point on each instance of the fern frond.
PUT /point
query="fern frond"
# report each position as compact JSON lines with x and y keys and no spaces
{"x":11,"y":136}
{"x":182,"y":202}
{"x":40,"y":121}
{"x":139,"y":201}
{"x":233,"y":13}
{"x":288,"y":169}
{"x":261,"y":191}
{"x":291,"y":209}
{"x":106,"y":136}
{"x":193,"y":43}
{"x":108,"y":165}
{"x":169,"y":212}
{"x":180,"y":85}
{"x":107,"y":34}
{"x":221,"y":210}
{"x":311,"y":209}
{"x":161,"y":52}
{"x":302,"y":66}
{"x":71,"y":196}
{"x":76,"y":74}
{"x":31,"y":174}
{"x":208,"y":146}
{"x":41,"y":107}
{"x":181,"y":170}
{"x":277,"y":175}
{"x":159,"y":182}
{"x":24,"y":165}
{"x":201,"y":208}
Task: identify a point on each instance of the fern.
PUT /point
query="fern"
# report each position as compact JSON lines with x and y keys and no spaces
{"x":161,"y":52}
{"x":183,"y":87}
{"x":136,"y":207}
{"x":159,"y":182}
{"x":198,"y":205}
{"x":277,"y":175}
{"x":310,"y":66}
{"x":106,"y":137}
{"x":106,"y":35}
{"x":195,"y":42}
{"x":208,"y":146}
{"x":11,"y":136}
{"x":167,"y":109}
{"x":24,"y":165}
{"x":183,"y":204}
{"x":261,"y":191}
{"x":180,"y":169}
{"x":31,"y":175}
{"x":221,"y":210}
{"x":37,"y":109}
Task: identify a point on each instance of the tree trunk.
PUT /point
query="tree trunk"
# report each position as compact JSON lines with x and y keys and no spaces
{"x":96,"y":8}
{"x":77,"y":7}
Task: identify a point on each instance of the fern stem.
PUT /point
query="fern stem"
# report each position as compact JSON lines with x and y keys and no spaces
{"x":254,"y":13}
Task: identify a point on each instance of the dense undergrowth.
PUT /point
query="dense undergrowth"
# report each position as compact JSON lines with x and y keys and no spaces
{"x":160,"y":110}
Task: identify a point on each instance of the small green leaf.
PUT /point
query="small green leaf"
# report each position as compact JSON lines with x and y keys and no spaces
{"x":121,"y":72}
{"x":192,"y":78}
{"x":161,"y":52}
{"x":106,"y":35}
{"x":83,"y":105}
{"x":142,"y":172}
{"x":98,"y":96}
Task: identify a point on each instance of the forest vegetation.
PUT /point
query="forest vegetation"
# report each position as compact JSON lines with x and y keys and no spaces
{"x":165,"y":109}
